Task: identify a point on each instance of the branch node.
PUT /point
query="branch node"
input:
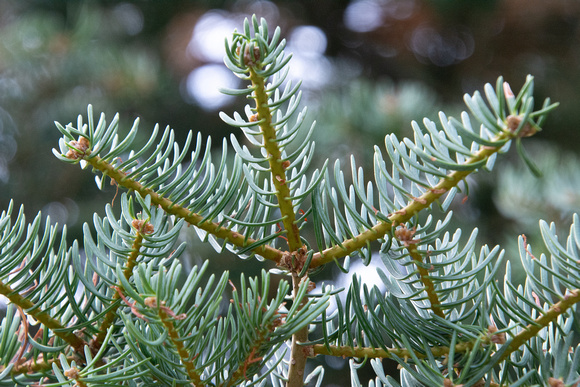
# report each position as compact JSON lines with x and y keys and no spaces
{"x":81,"y":148}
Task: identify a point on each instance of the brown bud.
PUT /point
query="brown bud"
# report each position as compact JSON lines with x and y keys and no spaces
{"x":308,"y":351}
{"x":72,"y":373}
{"x":311,"y":286}
{"x":81,"y":146}
{"x":248,"y":60}
{"x":513,"y":122}
{"x":73,"y":155}
{"x":405,"y":235}
{"x":143,"y":226}
{"x":84,"y":143}
{"x":494,"y":337}
{"x":151,"y":302}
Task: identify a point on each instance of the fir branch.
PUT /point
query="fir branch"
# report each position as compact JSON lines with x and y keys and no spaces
{"x":111,"y":315}
{"x":540,"y":323}
{"x":297,"y":356}
{"x":250,"y":56}
{"x":406,"y":235}
{"x":294,"y":264}
{"x":167,"y":317}
{"x":51,"y":323}
{"x":165,"y":336}
{"x":406,"y":213}
{"x":190,"y":217}
{"x":37,"y":365}
{"x":371,"y":352}
{"x":426,"y":280}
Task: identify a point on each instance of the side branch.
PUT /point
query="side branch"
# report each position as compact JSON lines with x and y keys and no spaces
{"x":361,"y":352}
{"x":39,"y":364}
{"x":426,"y":280}
{"x":405,"y":214}
{"x":177,"y":340}
{"x":110,"y":317}
{"x":192,"y":218}
{"x":28,"y":306}
{"x":541,"y":322}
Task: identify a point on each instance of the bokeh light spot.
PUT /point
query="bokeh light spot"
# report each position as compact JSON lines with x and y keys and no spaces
{"x":203,"y":85}
{"x":363,"y":16}
{"x":307,"y":45}
{"x":308,"y":39}
{"x":265,"y":9}
{"x":207,"y":40}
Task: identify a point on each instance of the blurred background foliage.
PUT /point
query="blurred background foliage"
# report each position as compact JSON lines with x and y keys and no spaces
{"x":369,"y":68}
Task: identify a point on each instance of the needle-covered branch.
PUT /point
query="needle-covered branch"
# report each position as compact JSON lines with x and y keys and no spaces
{"x":190,"y":217}
{"x":118,"y":308}
{"x":416,"y":206}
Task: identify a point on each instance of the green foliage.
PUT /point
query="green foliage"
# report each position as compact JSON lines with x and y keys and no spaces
{"x":116,"y":308}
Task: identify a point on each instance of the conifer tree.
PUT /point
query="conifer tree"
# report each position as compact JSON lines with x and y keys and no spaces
{"x":117,"y":309}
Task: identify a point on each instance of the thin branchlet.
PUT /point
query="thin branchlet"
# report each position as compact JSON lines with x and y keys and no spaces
{"x":406,"y":235}
{"x":403,"y":215}
{"x":142,"y":227}
{"x":547,"y":318}
{"x":190,"y":217}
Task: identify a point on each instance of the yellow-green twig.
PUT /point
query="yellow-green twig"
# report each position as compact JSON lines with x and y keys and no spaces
{"x":426,"y":280}
{"x":361,"y":352}
{"x":408,"y":212}
{"x":541,"y":322}
{"x":112,"y":313}
{"x":275,"y":161}
{"x":28,"y":306}
{"x":277,"y":168}
{"x":192,"y":218}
